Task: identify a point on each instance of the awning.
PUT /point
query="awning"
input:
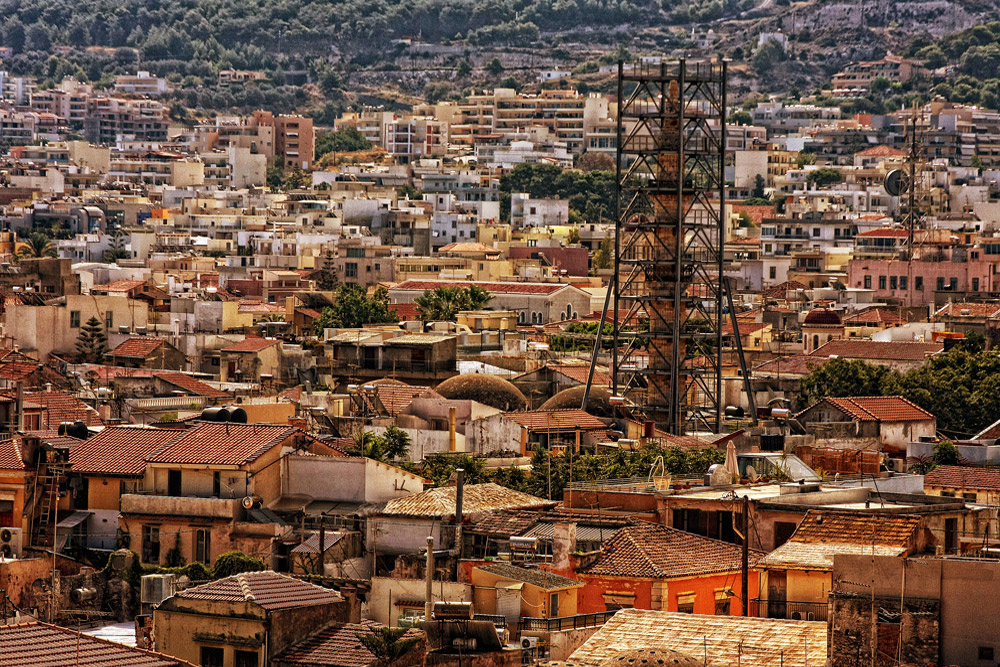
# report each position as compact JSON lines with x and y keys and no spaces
{"x":74,"y":520}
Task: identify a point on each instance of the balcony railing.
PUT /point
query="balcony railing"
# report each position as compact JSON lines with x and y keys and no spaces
{"x":528,"y":624}
{"x":790,"y":609}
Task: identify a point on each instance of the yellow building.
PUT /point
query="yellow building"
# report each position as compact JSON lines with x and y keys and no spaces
{"x":505,"y":589}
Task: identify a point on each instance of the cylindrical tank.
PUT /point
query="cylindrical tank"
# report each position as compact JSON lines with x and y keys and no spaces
{"x":215,"y":415}
{"x":237,"y":415}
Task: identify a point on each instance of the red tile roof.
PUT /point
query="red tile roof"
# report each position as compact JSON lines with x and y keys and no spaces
{"x":43,"y":645}
{"x":779,"y":291}
{"x":880,"y":408}
{"x":120,"y":286}
{"x":495,"y":288}
{"x":138,"y":348}
{"x":120,"y":450}
{"x":746,"y":328}
{"x":579,"y":373}
{"x":211,"y":443}
{"x":440,"y":501}
{"x":269,"y":590}
{"x":884,"y":233}
{"x":258,"y":307}
{"x":18,"y":371}
{"x":397,"y":397}
{"x":556,"y":420}
{"x":251,"y":344}
{"x":538,"y":578}
{"x":756,"y":214}
{"x":892,"y":530}
{"x":881,"y":350}
{"x":968,"y":309}
{"x":963,"y":477}
{"x":336,"y":645}
{"x":192,"y":385}
{"x":882,"y":151}
{"x":873,"y":316}
{"x":650,"y":550}
{"x":10,"y":454}
{"x":63,"y":406}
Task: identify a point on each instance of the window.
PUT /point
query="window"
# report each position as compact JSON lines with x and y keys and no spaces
{"x":722,"y":601}
{"x":893,"y":282}
{"x":868,"y":282}
{"x":902,"y":282}
{"x":881,"y":282}
{"x":245,"y":659}
{"x":351,"y":269}
{"x":815,"y":231}
{"x":554,"y":605}
{"x":74,"y":319}
{"x":203,"y":545}
{"x":109,"y":321}
{"x":773,"y":272}
{"x":174,"y":483}
{"x":940,"y":284}
{"x":685,"y":603}
{"x":953,"y":284}
{"x":971,"y":497}
{"x":918,"y":283}
{"x":986,"y":653}
{"x":212,"y":656}
{"x":975,"y":284}
{"x":151,"y":544}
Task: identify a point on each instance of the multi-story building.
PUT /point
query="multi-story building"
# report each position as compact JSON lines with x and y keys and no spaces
{"x":780,"y":119}
{"x":111,"y":118}
{"x":411,"y":138}
{"x":856,"y":78}
{"x":69,"y":101}
{"x":141,"y":83}
{"x":370,"y":123}
{"x":236,"y":167}
{"x":294,"y":140}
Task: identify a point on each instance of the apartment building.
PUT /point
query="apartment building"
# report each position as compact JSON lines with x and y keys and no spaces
{"x":141,"y":83}
{"x":856,"y":78}
{"x":294,"y":140}
{"x":111,"y":118}
{"x":410,"y":138}
{"x":372,"y":124}
{"x":69,"y":101}
{"x":235,"y":167}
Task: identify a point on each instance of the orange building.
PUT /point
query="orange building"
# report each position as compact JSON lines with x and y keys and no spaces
{"x":649,"y":566}
{"x":12,"y":474}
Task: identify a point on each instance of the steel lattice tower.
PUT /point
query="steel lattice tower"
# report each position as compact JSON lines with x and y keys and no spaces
{"x":669,"y":289}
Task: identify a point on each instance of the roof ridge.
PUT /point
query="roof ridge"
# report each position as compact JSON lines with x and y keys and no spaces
{"x":241,"y":579}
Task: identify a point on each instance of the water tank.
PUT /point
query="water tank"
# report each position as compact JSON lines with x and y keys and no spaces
{"x":76,"y":429}
{"x":215,"y":415}
{"x":452,"y":611}
{"x":237,"y":415}
{"x":772,"y":442}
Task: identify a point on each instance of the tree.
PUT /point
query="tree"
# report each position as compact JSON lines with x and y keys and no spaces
{"x":946,"y":454}
{"x":740,"y":118}
{"x":767,"y":55}
{"x":591,"y":161}
{"x":602,"y":258}
{"x":846,"y":377}
{"x":388,"y":645}
{"x":758,"y":188}
{"x":92,"y":342}
{"x":37,"y":245}
{"x":327,"y":279}
{"x":444,"y":303}
{"x":344,"y":140}
{"x":494,"y":67}
{"x":395,"y":443}
{"x":236,"y":562}
{"x":353,"y":308}
{"x":824,"y":176}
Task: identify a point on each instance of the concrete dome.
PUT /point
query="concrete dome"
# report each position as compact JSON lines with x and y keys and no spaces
{"x":651,"y":657}
{"x":598,"y":403}
{"x":490,"y":390}
{"x":822,"y":317}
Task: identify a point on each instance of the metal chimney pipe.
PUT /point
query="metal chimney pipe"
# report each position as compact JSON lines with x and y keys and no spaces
{"x":429,"y":580}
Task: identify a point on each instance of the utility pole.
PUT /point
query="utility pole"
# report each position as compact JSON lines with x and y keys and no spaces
{"x":745,"y":569}
{"x":322,"y":545}
{"x":429,"y":580}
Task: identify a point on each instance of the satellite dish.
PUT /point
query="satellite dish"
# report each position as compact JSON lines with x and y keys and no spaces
{"x":896,"y":182}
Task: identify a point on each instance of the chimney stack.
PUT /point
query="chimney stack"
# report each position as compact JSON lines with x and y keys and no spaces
{"x":452,"y":437}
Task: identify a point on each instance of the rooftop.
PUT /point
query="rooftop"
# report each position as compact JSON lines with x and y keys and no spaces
{"x":495,"y":288}
{"x":137,"y":347}
{"x":120,"y":450}
{"x":539,"y":578}
{"x":725,"y":640}
{"x":43,"y":645}
{"x":251,"y":344}
{"x":440,"y":502}
{"x":556,"y":420}
{"x":649,"y":550}
{"x":336,"y":645}
{"x":963,"y":477}
{"x":211,"y":443}
{"x":877,"y":408}
{"x":268,"y":590}
{"x":881,"y":350}
{"x":10,"y":454}
{"x":191,"y":385}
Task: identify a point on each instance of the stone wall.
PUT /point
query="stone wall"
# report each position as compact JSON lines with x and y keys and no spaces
{"x":914,"y":636}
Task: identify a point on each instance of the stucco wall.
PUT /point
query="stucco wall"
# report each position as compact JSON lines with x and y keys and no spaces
{"x":386,"y":592}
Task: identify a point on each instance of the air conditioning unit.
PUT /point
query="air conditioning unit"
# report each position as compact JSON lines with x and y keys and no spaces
{"x":10,"y":542}
{"x":158,"y":587}
{"x":529,"y":642}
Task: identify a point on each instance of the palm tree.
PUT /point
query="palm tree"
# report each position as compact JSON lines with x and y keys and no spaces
{"x":388,"y":644}
{"x":395,"y":443}
{"x":444,"y":303}
{"x":37,"y":245}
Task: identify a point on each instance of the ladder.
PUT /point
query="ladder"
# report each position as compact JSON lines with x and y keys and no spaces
{"x":48,"y":483}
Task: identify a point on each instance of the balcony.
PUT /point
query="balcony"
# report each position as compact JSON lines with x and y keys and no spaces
{"x":560,"y":623}
{"x":796,"y":611}
{"x":148,"y":503}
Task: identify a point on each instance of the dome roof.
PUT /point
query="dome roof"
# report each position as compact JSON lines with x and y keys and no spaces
{"x":487,"y":389}
{"x":598,"y":403}
{"x":822,"y":316}
{"x":651,"y":657}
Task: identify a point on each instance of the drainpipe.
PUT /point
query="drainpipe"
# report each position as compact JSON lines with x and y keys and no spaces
{"x":459,"y":500}
{"x":452,"y":438}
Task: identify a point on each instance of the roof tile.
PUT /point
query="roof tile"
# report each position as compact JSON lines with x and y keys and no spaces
{"x":440,"y":502}
{"x":137,"y":347}
{"x":121,"y":450}
{"x":190,"y":384}
{"x":879,"y":408}
{"x":251,"y":344}
{"x":539,"y":578}
{"x":43,"y":645}
{"x":267,"y":589}
{"x":212,"y":443}
{"x":964,"y":477}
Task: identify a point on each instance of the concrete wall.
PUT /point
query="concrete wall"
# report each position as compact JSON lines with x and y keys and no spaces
{"x":386,"y":591}
{"x":359,"y":479}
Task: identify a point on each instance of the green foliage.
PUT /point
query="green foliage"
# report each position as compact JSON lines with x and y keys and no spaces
{"x":603,"y":258}
{"x":591,"y":195}
{"x":444,"y":303}
{"x":38,"y":245}
{"x":946,"y":454}
{"x":344,"y":140}
{"x":846,"y":377}
{"x":327,"y":278}
{"x":766,"y":56}
{"x":824,"y":176}
{"x":92,"y":342}
{"x":440,"y":467}
{"x":388,"y":644}
{"x":580,"y":336}
{"x":391,"y":444}
{"x":353,"y":308}
{"x":740,"y":118}
{"x":236,"y":562}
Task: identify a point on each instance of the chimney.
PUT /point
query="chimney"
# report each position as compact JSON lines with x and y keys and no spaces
{"x":429,"y":580}
{"x":524,"y":441}
{"x":452,"y":438}
{"x":563,"y":545}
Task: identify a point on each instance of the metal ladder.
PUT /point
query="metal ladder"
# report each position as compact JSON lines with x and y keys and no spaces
{"x":48,"y":482}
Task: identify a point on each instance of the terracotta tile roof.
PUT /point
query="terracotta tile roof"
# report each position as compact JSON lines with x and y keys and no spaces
{"x":309,"y":312}
{"x":884,"y":233}
{"x":874,"y":316}
{"x":556,"y":420}
{"x":579,"y":373}
{"x":469,"y":246}
{"x":824,"y":533}
{"x":211,"y":443}
{"x":251,"y":344}
{"x":756,"y":214}
{"x":18,"y":371}
{"x":968,"y":309}
{"x":43,"y":645}
{"x":881,"y":350}
{"x":650,"y":550}
{"x":63,"y":406}
{"x":504,"y":522}
{"x":258,"y":307}
{"x":121,"y":450}
{"x":538,"y":578}
{"x":746,"y":328}
{"x":440,"y":502}
{"x":882,"y":151}
{"x":779,"y":291}
{"x":963,"y":477}
{"x":269,"y":590}
{"x":495,"y":288}
{"x":10,"y":454}
{"x":879,"y":408}
{"x":726,"y":640}
{"x":120,"y":286}
{"x":336,"y":645}
{"x":311,"y":545}
{"x":137,"y":348}
{"x":191,"y":385}
{"x":397,"y":397}
{"x":793,"y":364}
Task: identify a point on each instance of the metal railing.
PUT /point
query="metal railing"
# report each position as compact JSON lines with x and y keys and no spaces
{"x":529,"y":624}
{"x":789,"y":609}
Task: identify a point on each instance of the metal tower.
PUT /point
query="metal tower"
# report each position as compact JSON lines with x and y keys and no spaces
{"x":669,"y":288}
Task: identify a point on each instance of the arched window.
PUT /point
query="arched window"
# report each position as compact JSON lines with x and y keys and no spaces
{"x":815,"y":341}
